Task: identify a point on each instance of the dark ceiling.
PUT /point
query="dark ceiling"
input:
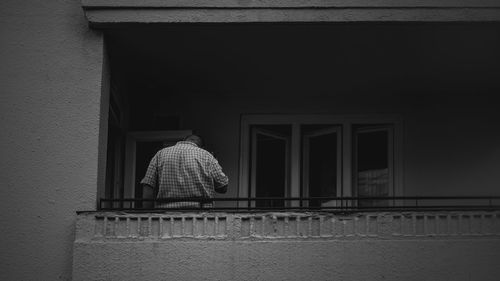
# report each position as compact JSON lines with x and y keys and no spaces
{"x":274,"y":59}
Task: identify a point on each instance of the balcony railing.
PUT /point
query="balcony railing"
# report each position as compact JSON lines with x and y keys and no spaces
{"x":341,"y":204}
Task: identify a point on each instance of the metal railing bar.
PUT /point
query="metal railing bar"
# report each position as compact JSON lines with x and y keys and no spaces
{"x":198,"y":199}
{"x":342,"y":203}
{"x":344,"y":209}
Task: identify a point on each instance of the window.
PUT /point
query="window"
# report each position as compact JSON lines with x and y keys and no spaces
{"x":270,"y":165}
{"x":321,"y":162}
{"x":373,"y":162}
{"x":319,"y":156}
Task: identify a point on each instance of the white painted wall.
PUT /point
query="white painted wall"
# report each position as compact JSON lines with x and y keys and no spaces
{"x":50,"y":81}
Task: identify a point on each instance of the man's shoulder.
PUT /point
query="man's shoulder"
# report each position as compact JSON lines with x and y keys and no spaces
{"x":193,"y":150}
{"x":167,"y":151}
{"x":200,"y":152}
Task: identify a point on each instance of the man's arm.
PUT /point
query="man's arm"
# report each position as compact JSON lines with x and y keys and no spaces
{"x":220,"y":179}
{"x":147,"y":193}
{"x":222,"y":189}
{"x":149,"y":181}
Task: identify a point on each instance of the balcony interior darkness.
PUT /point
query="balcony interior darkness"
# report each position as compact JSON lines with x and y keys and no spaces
{"x":205,"y":76}
{"x":420,"y":62}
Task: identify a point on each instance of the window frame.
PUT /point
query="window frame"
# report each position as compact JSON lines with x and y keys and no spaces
{"x":391,"y":156}
{"x":346,"y":123}
{"x":305,"y":158}
{"x":254,"y":133}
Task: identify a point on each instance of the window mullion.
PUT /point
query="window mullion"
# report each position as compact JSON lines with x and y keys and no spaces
{"x":295,"y":164}
{"x":253,"y":168}
{"x":346,"y":189}
{"x":391,"y":161}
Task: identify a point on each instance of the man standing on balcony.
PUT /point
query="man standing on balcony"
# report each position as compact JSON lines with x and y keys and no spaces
{"x":184,"y":170}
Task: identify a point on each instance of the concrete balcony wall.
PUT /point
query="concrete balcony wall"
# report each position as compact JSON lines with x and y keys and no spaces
{"x":448,"y":245}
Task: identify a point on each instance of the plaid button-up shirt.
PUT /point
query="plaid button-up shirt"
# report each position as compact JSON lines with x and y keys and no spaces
{"x":184,"y":170}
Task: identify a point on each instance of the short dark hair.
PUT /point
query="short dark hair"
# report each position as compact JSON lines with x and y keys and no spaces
{"x":195,"y":139}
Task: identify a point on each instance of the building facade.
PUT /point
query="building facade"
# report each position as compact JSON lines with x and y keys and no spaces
{"x":339,"y":99}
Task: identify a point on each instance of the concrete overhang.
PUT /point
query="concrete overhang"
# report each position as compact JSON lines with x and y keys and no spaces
{"x":108,"y":13}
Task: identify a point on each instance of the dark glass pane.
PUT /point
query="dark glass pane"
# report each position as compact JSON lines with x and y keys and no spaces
{"x":372,"y":161}
{"x":321,"y":165}
{"x":271,"y":163}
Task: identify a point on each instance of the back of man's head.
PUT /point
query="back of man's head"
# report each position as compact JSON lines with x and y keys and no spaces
{"x":195,"y":139}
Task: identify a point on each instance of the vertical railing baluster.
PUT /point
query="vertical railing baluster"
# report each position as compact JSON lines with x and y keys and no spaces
{"x":127,"y":227}
{"x":105,"y":226}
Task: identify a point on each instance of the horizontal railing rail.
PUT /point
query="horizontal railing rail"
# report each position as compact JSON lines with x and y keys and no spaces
{"x":396,"y":203}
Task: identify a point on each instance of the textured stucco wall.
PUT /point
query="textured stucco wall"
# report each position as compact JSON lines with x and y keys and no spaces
{"x":291,"y":260}
{"x":50,"y":88}
{"x":288,"y":246}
